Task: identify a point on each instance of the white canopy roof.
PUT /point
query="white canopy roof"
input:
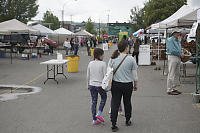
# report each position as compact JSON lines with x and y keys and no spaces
{"x":185,"y":16}
{"x":83,"y":33}
{"x":63,"y":31}
{"x":14,"y":25}
{"x":155,"y":31}
{"x":43,"y":30}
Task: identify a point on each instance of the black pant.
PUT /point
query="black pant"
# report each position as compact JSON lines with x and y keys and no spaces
{"x":118,"y":90}
{"x":136,"y":54}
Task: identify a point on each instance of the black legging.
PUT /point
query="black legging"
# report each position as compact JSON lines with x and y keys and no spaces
{"x":118,"y":90}
{"x":136,"y":54}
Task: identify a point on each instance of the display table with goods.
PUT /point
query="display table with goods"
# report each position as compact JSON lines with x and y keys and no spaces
{"x":54,"y":66}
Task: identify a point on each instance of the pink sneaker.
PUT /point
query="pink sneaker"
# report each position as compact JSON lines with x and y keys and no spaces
{"x":100,"y":118}
{"x":97,"y":122}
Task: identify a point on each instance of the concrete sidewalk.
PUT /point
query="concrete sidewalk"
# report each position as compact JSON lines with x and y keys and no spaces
{"x":65,"y":108}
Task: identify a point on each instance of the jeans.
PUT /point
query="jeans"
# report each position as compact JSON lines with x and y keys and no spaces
{"x":94,"y":90}
{"x":66,"y":49}
{"x":118,"y":90}
{"x":75,"y":50}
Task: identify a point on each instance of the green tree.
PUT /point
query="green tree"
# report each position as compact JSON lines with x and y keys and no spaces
{"x":103,"y":31}
{"x":22,"y":10}
{"x":154,"y":11}
{"x":90,"y":26}
{"x":137,"y":21}
{"x":50,"y":18}
{"x":158,"y":10}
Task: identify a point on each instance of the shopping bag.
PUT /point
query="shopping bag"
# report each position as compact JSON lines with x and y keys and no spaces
{"x":107,"y":80}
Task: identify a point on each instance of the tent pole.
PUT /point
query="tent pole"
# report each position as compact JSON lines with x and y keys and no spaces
{"x":11,"y":47}
{"x":158,"y":45}
{"x":165,"y":53}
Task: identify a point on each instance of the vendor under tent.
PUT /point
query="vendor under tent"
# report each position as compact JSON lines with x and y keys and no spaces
{"x":184,"y":18}
{"x":83,"y":33}
{"x":14,"y":26}
{"x":44,"y":30}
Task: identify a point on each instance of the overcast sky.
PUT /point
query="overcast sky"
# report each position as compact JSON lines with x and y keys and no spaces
{"x":81,"y":10}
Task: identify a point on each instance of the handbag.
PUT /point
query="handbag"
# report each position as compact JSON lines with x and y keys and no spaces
{"x":107,"y":80}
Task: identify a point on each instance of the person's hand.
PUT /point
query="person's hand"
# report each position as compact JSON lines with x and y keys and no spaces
{"x":135,"y":88}
{"x":182,"y":55}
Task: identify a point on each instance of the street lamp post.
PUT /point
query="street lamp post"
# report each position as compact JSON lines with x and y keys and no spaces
{"x":63,"y":12}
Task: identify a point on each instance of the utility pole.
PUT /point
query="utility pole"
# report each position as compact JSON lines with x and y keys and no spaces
{"x":63,"y":12}
{"x":63,"y":16}
{"x":99,"y":28}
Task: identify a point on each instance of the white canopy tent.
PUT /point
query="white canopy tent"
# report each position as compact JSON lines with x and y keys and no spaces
{"x":12,"y":26}
{"x":185,"y":16}
{"x":43,"y":30}
{"x":63,"y":31}
{"x":83,"y":33}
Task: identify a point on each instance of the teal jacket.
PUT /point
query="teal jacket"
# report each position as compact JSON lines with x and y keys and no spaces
{"x":173,"y":47}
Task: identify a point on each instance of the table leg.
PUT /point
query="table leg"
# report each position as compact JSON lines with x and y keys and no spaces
{"x":47,"y":74}
{"x":54,"y":74}
{"x":62,"y":66}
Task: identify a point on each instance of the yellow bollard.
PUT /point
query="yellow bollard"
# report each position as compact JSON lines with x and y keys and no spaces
{"x":92,"y":51}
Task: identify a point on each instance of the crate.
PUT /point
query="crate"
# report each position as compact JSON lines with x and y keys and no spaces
{"x":2,"y":54}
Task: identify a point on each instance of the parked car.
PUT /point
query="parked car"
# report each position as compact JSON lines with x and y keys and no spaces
{"x":44,"y":40}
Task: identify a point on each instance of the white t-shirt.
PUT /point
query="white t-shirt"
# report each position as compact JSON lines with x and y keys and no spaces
{"x":67,"y":44}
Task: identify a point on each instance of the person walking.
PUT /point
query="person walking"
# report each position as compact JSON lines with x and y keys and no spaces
{"x":136,"y":49}
{"x":174,"y":59}
{"x":124,"y":80}
{"x":120,"y":111}
{"x":89,"y":44}
{"x":72,"y":45}
{"x":95,"y":73}
{"x":76,"y":46}
{"x":67,"y":45}
{"x":130,"y":44}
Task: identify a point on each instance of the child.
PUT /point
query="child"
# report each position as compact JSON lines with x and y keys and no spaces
{"x":95,"y":74}
{"x":119,"y":111}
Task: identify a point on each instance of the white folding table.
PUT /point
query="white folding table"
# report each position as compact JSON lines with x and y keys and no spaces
{"x":56,"y":64}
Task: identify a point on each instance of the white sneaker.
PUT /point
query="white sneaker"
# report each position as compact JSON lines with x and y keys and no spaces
{"x":120,"y":113}
{"x":109,"y":111}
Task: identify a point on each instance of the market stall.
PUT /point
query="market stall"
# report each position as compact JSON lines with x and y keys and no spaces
{"x":13,"y":28}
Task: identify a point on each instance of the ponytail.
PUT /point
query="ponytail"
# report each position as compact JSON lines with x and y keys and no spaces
{"x":115,"y":54}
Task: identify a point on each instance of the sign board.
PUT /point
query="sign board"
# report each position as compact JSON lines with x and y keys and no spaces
{"x":193,"y":30}
{"x":105,"y":46}
{"x":144,"y":55}
{"x":121,"y":34}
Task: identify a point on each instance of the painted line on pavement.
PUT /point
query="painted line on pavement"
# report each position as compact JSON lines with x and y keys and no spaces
{"x":36,"y":78}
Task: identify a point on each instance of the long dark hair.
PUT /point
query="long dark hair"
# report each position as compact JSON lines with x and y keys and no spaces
{"x":122,"y":45}
{"x":98,"y":52}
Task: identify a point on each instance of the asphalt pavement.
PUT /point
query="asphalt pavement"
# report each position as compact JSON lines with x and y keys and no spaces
{"x":65,"y":107}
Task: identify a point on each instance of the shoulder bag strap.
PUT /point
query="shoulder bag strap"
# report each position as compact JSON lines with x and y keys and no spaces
{"x":119,"y":65}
